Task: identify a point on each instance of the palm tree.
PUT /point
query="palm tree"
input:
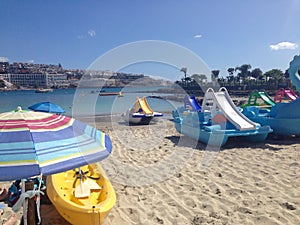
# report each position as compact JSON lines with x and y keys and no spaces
{"x":257,"y":74}
{"x":196,"y":78}
{"x":230,"y":71}
{"x":244,"y":71}
{"x":203,"y":78}
{"x":188,"y":80}
{"x":184,"y":70}
{"x":230,"y":78}
{"x":215,"y":74}
{"x":275,"y":75}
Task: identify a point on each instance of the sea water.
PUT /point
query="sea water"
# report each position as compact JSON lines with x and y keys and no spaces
{"x":86,"y":101}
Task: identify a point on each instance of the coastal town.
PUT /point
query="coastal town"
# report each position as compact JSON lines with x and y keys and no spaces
{"x":20,"y":75}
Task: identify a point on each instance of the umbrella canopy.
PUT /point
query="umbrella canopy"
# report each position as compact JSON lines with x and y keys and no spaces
{"x":34,"y":143}
{"x":47,"y":107}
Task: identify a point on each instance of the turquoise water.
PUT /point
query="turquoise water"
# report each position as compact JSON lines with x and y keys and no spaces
{"x":85,"y":102}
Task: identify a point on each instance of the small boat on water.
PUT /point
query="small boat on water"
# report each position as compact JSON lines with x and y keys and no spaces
{"x":118,"y":93}
{"x":82,"y":196}
{"x":43,"y":90}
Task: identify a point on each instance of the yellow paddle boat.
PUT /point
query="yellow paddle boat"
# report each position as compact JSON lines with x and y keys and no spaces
{"x":82,"y":196}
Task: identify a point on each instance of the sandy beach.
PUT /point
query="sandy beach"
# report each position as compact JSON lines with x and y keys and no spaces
{"x":163,"y":177}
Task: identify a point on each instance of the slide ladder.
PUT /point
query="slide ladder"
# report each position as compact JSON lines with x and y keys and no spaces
{"x":209,"y":104}
{"x":253,"y":98}
{"x":279,"y":95}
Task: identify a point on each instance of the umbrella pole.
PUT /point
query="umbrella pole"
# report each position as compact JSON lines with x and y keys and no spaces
{"x":29,"y":214}
{"x":24,"y":204}
{"x":29,"y":185}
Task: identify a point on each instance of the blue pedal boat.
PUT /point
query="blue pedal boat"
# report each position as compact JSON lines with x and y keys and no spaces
{"x":218,"y":120}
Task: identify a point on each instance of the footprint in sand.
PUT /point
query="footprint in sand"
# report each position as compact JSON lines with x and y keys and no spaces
{"x":190,"y":203}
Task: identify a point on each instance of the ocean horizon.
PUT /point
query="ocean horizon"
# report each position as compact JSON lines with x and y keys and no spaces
{"x":86,"y":101}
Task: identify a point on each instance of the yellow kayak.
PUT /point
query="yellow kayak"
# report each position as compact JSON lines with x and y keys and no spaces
{"x":82,"y":196}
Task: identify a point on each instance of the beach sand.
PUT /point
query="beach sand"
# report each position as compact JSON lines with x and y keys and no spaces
{"x":163,"y":177}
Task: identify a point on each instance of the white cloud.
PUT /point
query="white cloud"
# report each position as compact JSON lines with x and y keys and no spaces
{"x":92,"y":33}
{"x":197,"y":36}
{"x":3,"y":59}
{"x":284,"y":45}
{"x":30,"y":61}
{"x":81,"y":36}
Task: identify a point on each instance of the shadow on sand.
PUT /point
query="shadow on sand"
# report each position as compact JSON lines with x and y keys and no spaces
{"x":235,"y":142}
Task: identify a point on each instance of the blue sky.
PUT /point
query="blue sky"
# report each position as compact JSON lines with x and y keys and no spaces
{"x":262,"y":33}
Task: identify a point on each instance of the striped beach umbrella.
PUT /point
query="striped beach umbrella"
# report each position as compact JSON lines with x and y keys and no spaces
{"x":34,"y":143}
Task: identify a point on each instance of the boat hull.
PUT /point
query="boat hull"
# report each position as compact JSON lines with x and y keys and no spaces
{"x":217,"y":135}
{"x":47,"y":90}
{"x":91,"y":210}
{"x":140,"y":118}
{"x":284,"y":127}
{"x":201,"y":135}
{"x":286,"y":124}
{"x":119,"y":94}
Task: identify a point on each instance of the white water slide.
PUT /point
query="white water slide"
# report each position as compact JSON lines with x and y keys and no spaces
{"x":222,"y":101}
